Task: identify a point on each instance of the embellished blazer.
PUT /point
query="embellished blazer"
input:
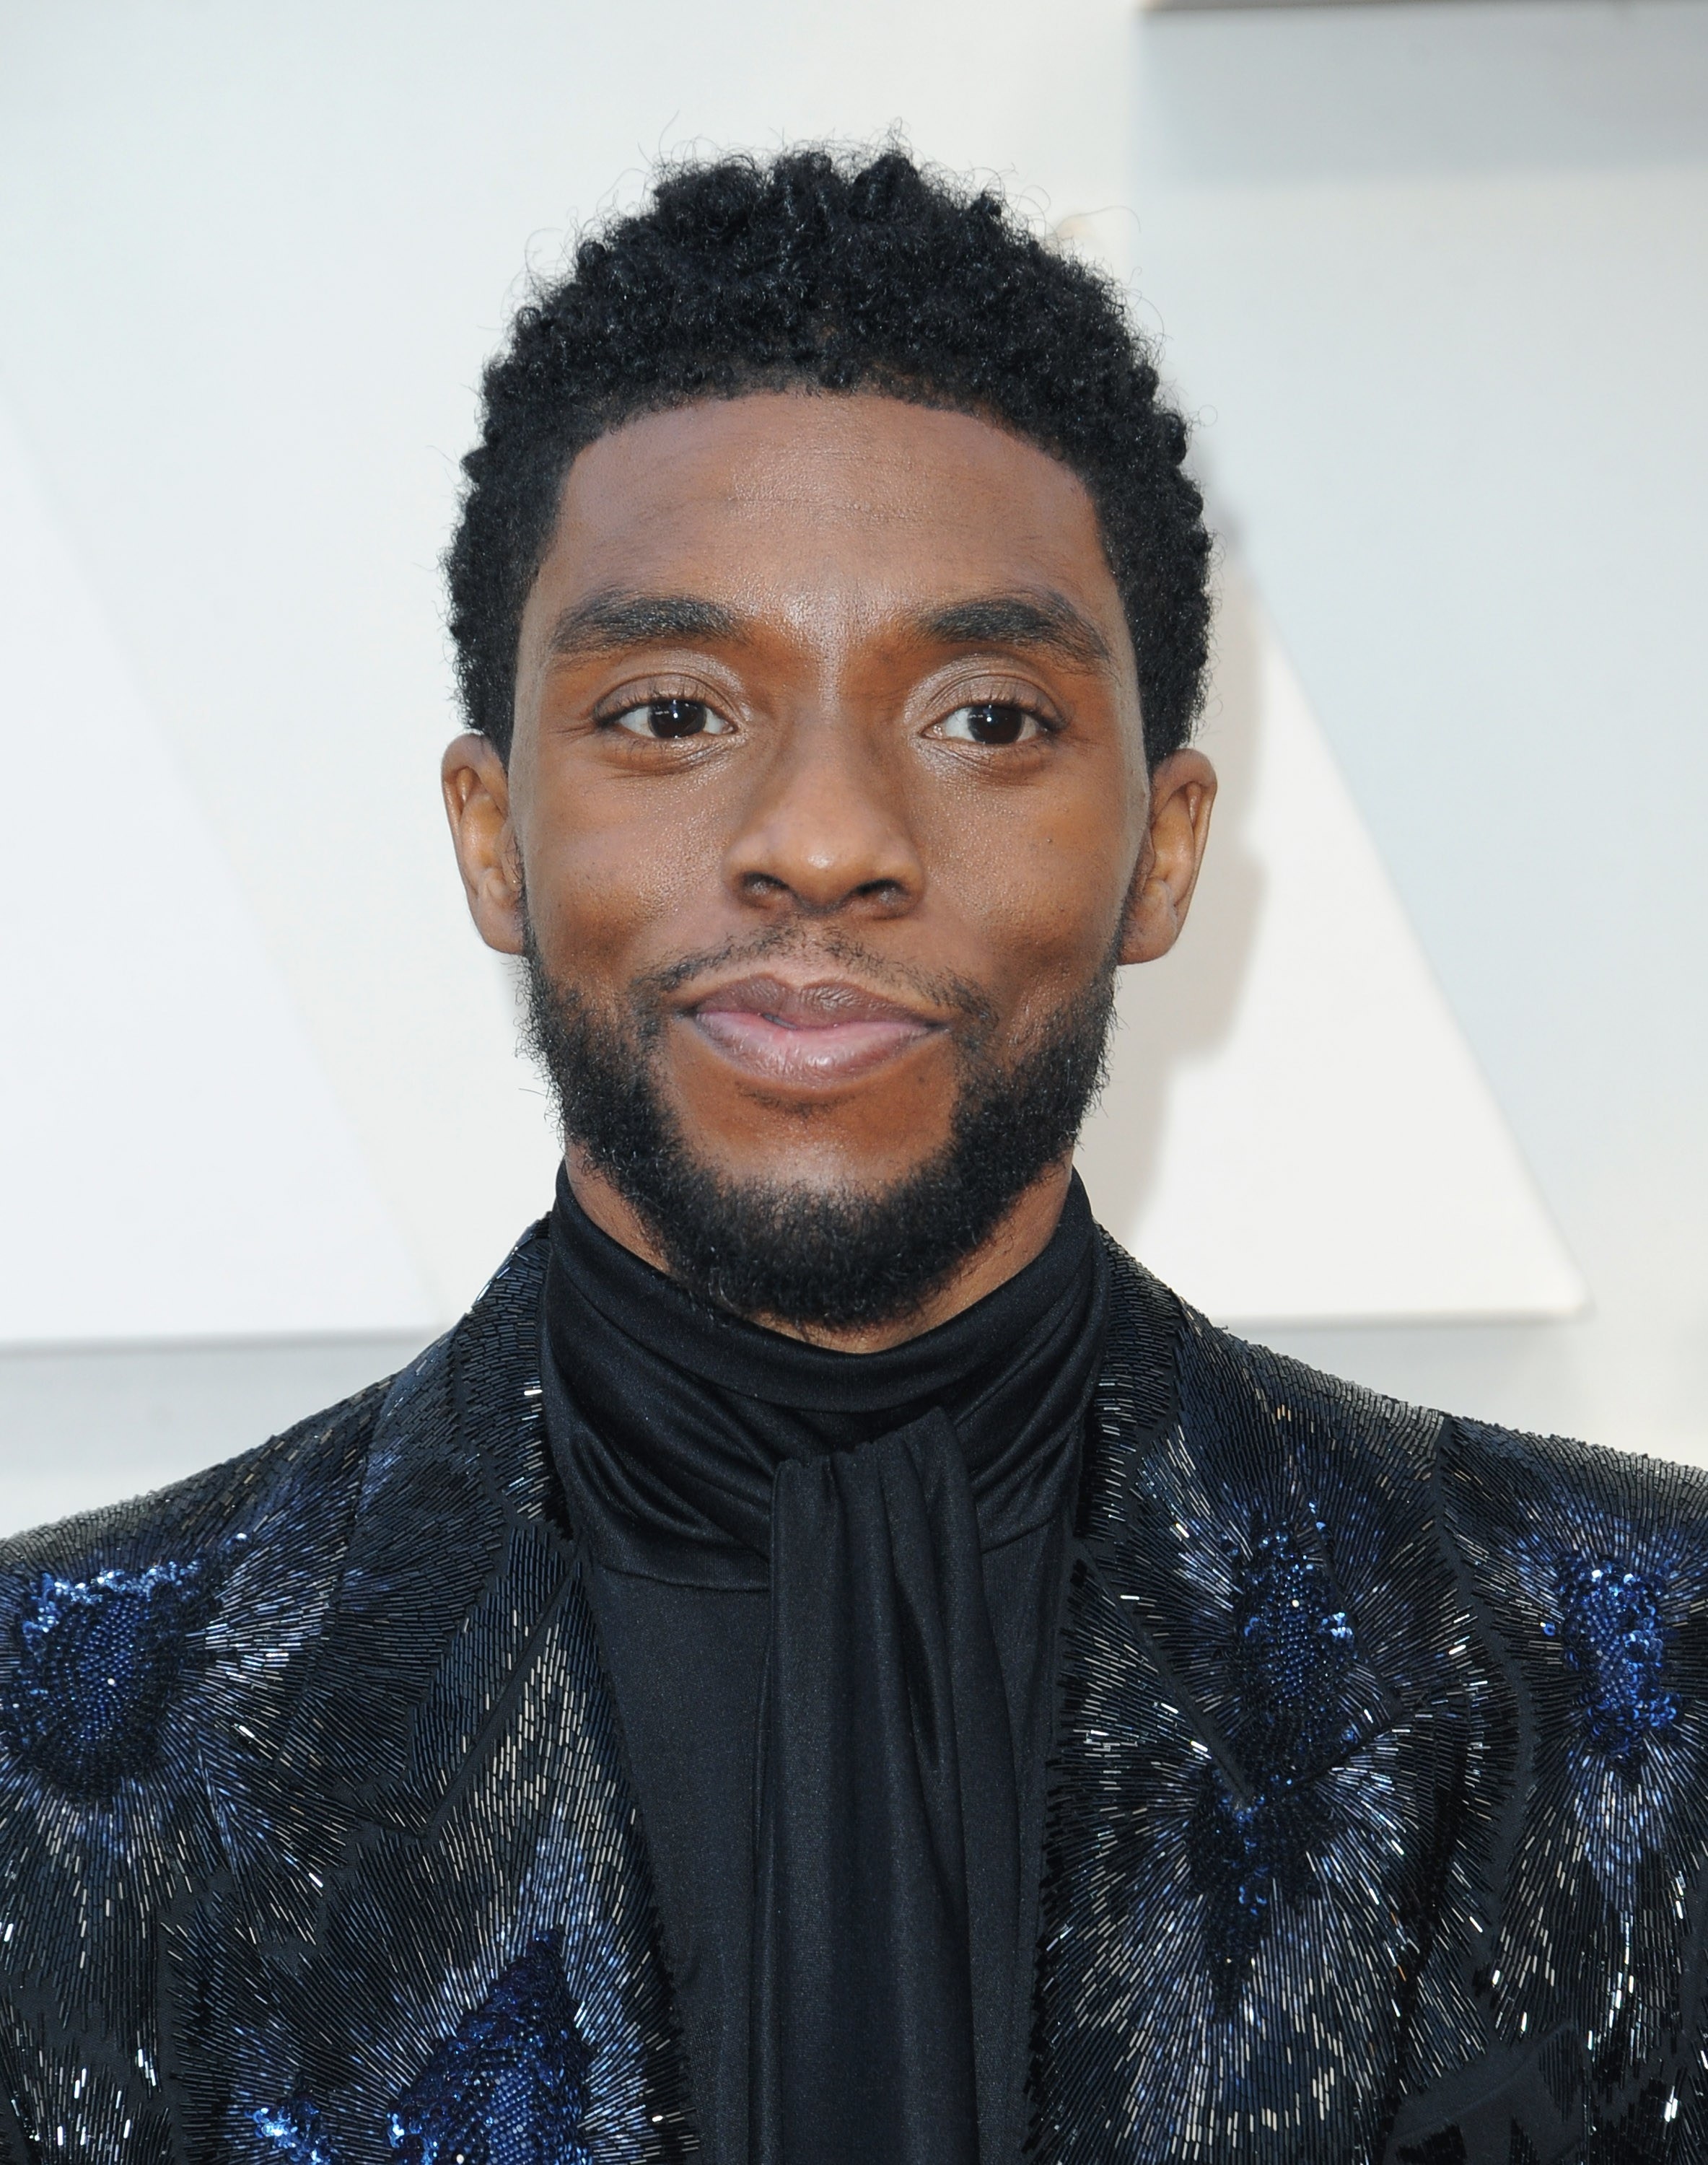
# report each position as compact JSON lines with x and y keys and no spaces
{"x":1378,"y":1809}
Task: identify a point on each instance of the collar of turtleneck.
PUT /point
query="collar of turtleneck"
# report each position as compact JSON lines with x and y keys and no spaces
{"x":686,"y":1412}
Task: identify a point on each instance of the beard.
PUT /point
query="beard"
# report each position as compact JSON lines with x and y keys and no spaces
{"x":840,"y":1259}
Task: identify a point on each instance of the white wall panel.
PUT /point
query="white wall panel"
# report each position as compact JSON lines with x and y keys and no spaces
{"x":174,"y":1164}
{"x":1294,"y":1127}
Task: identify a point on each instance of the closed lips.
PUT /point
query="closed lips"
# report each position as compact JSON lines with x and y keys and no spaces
{"x":831,"y":1030}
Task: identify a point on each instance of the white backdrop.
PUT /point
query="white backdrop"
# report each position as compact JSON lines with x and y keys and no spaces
{"x":1431,"y":281}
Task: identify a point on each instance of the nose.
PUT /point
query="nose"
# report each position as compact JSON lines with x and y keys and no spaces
{"x":826,"y":829}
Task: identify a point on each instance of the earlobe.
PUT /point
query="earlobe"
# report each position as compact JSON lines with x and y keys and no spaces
{"x":1183,"y":790}
{"x":477,"y":792}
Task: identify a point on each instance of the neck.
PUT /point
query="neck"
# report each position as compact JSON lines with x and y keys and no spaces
{"x":1020,"y":1235}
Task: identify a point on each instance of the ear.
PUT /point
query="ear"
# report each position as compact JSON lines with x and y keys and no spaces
{"x":478,"y":803}
{"x":1182,"y":789}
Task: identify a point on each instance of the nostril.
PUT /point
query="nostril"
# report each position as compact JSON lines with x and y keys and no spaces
{"x":889,"y":893}
{"x":884,"y":895}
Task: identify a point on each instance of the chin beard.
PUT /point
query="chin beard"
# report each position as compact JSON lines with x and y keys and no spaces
{"x":844,"y":1259}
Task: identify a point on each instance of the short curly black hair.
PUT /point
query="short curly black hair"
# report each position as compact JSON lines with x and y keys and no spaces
{"x":810,"y":269}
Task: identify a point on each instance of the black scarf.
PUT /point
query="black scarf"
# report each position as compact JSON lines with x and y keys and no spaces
{"x":867,"y":1492}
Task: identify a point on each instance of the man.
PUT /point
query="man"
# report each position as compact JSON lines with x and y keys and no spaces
{"x":828,"y":1660}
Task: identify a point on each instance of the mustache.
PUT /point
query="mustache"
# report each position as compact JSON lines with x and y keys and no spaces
{"x":652,"y":988}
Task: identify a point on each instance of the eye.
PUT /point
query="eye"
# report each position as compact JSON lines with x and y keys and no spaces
{"x":658,"y":719}
{"x":991,"y":722}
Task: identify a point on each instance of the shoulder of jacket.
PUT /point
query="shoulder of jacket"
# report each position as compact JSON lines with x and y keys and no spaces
{"x":1553,"y":1532}
{"x":1222,"y":1380}
{"x":1597,"y":1476}
{"x":328,"y":1447}
{"x":213,"y":1502}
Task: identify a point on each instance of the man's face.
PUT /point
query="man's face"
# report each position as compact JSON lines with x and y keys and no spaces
{"x":827,"y":793}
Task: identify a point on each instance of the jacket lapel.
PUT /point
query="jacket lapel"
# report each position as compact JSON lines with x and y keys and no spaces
{"x":462,"y":1956}
{"x":1268,"y":1706}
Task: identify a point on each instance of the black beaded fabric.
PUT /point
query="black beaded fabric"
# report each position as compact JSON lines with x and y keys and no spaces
{"x":1378,"y":1828}
{"x":369,"y":1887}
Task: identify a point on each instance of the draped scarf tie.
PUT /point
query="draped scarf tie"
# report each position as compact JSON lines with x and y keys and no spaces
{"x":863,"y":1491}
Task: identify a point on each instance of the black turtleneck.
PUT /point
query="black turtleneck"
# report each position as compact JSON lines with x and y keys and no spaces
{"x":827,"y":1586}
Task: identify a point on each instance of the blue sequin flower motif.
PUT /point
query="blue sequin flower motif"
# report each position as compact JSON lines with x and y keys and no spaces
{"x":509,"y":2086}
{"x":1293,"y":1645}
{"x":96,"y":1661}
{"x":294,"y":2132}
{"x":1611,"y":1634}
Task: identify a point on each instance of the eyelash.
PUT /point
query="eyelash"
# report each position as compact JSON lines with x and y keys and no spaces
{"x":617,"y":719}
{"x":1044,"y":726}
{"x":615,"y":716}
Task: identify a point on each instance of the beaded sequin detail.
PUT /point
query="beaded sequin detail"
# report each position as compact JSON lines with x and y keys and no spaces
{"x":373,"y":1889}
{"x":1269,"y":1711}
{"x":455,"y":1953}
{"x":149,"y":1658}
{"x":1610,"y":1630}
{"x":294,"y":2131}
{"x":1379,"y":1830}
{"x":97,"y":1661}
{"x":1291,"y":1645}
{"x":1593,"y":1567}
{"x":509,"y":2086}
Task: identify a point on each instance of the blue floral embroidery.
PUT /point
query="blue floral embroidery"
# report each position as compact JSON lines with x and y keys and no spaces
{"x":1293,"y":1645}
{"x":1246,"y":1859}
{"x":294,"y":2132}
{"x":97,"y":1663}
{"x":508,"y":2087}
{"x":1611,"y":1634}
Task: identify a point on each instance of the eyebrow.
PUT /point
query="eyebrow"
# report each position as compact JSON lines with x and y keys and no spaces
{"x":1050,"y":624}
{"x":606,"y":622}
{"x":1044,"y":623}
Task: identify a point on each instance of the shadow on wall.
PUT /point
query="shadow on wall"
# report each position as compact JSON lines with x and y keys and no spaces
{"x":1295,"y":1127}
{"x":1178,"y":1010}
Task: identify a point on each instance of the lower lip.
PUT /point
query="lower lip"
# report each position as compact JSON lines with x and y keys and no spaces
{"x":805,"y":1053}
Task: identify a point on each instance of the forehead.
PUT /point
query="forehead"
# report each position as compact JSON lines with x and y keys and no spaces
{"x":826,"y":502}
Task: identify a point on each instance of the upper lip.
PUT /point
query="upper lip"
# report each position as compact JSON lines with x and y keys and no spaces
{"x":818,"y":1002}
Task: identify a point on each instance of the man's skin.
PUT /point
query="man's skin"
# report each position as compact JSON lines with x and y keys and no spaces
{"x":843,"y":593}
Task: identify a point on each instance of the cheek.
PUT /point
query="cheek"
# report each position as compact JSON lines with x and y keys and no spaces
{"x":1042,"y":888}
{"x":611,"y":892}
